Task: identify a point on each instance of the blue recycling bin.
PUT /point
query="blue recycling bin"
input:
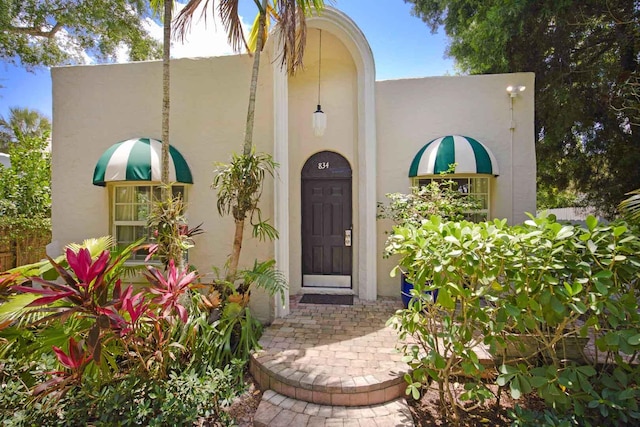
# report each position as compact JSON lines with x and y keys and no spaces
{"x":405,"y":291}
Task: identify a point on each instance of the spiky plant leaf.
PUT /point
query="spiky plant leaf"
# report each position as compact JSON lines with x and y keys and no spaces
{"x":264,"y":275}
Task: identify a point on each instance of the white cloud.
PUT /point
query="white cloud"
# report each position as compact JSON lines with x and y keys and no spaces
{"x":70,"y":46}
{"x":206,"y":38}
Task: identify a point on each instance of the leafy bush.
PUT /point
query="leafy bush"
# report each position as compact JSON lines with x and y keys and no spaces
{"x":439,"y":198}
{"x":96,"y":327}
{"x":547,"y":280}
{"x":25,"y":187}
{"x":183,"y":398}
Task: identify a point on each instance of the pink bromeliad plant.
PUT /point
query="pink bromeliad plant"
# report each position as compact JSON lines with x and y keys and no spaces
{"x":119,"y":328}
{"x":170,"y":289}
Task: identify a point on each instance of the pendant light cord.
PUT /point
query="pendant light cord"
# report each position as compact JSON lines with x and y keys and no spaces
{"x":319,"y":66}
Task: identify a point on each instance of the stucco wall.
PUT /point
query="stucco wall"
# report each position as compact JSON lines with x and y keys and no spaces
{"x":97,"y":106}
{"x":412,"y":112}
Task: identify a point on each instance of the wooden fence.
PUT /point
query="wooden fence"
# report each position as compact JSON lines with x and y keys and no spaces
{"x":22,"y":248}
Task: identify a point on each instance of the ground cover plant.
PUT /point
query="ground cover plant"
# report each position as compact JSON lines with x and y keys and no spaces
{"x":550,"y":282}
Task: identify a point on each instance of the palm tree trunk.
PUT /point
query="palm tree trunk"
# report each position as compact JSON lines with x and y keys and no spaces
{"x":248,"y":134}
{"x":234,"y":258}
{"x":166,"y":88}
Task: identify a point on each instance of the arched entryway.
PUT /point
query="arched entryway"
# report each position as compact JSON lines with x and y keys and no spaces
{"x":327,"y":222}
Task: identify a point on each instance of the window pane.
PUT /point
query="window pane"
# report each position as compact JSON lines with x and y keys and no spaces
{"x":125,"y":194}
{"x":476,"y":217}
{"x":133,"y":204}
{"x":178,"y":189}
{"x":423,"y":182}
{"x":483,"y":199}
{"x":126,"y":234}
{"x":480,"y":185}
{"x":125,"y":212}
{"x":143,"y":194}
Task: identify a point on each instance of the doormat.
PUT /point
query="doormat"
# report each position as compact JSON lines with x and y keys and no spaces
{"x":327,"y":299}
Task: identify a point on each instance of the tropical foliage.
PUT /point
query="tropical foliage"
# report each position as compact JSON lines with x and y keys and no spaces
{"x":20,"y":124}
{"x":543,"y":284}
{"x":585,"y":55}
{"x":172,"y":235}
{"x":87,"y":336}
{"x":439,"y":198}
{"x":25,"y":187}
{"x":630,"y":207}
{"x":239,"y":185}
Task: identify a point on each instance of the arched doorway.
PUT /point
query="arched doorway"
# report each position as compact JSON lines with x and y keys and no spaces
{"x":327,"y":223}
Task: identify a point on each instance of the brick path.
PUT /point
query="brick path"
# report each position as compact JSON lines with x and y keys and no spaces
{"x":332,"y":358}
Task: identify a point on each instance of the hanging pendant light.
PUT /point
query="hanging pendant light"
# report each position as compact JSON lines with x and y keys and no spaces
{"x":319,"y":117}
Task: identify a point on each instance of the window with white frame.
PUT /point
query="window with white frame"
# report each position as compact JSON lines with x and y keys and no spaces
{"x":131,"y":206}
{"x":477,"y":187}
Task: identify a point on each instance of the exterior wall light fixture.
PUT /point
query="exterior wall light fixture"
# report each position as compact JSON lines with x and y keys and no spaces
{"x":515,"y":90}
{"x":319,"y":122}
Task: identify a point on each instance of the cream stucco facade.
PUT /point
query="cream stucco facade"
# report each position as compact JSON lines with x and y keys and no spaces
{"x":378,"y":127}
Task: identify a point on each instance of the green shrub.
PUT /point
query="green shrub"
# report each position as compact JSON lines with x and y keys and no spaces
{"x":182,"y":399}
{"x":547,"y":280}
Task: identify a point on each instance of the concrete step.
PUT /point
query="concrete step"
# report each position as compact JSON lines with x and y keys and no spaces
{"x":277,"y":410}
{"x":324,"y":389}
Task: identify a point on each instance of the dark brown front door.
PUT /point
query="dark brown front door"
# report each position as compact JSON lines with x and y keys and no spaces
{"x":326,"y":222}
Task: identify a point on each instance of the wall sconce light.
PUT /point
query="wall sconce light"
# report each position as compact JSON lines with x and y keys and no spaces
{"x":515,"y":90}
{"x":319,"y":122}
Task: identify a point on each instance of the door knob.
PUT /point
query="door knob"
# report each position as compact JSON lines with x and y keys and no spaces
{"x":347,"y":237}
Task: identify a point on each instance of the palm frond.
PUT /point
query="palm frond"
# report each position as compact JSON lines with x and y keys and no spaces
{"x":16,"y":307}
{"x":230,"y":18}
{"x":264,"y":275}
{"x":253,"y":35}
{"x":292,"y":30}
{"x":630,"y":207}
{"x":96,"y":245}
{"x":182,"y":23}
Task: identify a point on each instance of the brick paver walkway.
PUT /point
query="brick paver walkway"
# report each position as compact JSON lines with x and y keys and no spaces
{"x":332,"y":356}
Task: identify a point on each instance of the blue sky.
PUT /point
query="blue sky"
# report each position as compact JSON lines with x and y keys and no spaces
{"x":402,"y":47}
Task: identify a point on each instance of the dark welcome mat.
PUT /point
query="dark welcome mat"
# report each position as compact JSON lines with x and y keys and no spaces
{"x":327,"y":299}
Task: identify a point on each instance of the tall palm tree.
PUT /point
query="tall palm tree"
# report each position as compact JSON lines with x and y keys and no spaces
{"x":19,"y":123}
{"x":289,"y":17}
{"x":166,"y":6}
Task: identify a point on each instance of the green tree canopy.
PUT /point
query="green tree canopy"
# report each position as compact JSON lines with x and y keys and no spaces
{"x":52,"y":32}
{"x":586,"y":56}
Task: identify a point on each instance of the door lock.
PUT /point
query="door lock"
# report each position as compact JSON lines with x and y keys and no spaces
{"x":347,"y":237}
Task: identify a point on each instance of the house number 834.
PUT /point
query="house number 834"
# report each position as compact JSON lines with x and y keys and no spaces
{"x":323,"y":165}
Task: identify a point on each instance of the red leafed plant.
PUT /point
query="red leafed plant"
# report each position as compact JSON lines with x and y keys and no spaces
{"x":75,"y":362}
{"x":117,"y":324}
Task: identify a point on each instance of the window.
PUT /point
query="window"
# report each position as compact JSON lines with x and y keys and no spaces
{"x":476,"y":187}
{"x":131,"y":208}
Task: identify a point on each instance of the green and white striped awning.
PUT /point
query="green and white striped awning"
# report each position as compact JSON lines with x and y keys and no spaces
{"x":139,"y":159}
{"x":469,"y":155}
